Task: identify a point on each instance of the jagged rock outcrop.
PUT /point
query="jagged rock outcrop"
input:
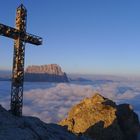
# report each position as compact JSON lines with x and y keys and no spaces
{"x":31,"y":128}
{"x":102,"y":119}
{"x":45,"y":73}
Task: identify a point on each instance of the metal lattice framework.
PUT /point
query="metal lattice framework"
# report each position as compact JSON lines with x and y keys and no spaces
{"x":20,"y":38}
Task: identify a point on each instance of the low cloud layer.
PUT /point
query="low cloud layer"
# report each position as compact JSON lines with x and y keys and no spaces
{"x":51,"y":102}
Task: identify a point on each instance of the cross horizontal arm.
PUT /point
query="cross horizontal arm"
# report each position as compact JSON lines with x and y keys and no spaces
{"x":14,"y":34}
{"x":8,"y":31}
{"x":33,"y":39}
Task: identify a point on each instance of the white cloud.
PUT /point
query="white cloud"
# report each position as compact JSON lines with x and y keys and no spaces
{"x":51,"y":102}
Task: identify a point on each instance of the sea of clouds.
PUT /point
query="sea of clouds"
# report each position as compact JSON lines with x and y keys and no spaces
{"x":52,"y":101}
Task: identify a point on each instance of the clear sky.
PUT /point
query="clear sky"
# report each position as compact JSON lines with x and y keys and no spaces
{"x":82,"y":36}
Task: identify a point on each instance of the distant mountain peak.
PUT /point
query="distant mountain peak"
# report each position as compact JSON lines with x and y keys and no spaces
{"x":50,"y":69}
{"x":45,"y":73}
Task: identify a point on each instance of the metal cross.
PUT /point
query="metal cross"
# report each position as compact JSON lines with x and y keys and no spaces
{"x":20,"y":37}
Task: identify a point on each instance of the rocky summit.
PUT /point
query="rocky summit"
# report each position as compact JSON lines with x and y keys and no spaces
{"x":31,"y":128}
{"x":95,"y":118}
{"x":101,"y":119}
{"x":45,"y":73}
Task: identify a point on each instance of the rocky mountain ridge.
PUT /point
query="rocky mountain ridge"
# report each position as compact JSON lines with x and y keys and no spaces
{"x":101,"y":119}
{"x":95,"y":118}
{"x":45,"y":73}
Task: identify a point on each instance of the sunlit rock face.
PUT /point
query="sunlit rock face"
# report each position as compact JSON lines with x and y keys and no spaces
{"x":31,"y":128}
{"x":45,"y":73}
{"x":102,"y":119}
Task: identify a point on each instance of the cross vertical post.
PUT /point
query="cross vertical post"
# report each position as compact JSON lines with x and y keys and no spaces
{"x":18,"y":63}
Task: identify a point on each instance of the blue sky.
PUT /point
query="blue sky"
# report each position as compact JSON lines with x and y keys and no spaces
{"x":82,"y":36}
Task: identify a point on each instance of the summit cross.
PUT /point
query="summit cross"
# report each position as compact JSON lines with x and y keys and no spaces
{"x":21,"y":37}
